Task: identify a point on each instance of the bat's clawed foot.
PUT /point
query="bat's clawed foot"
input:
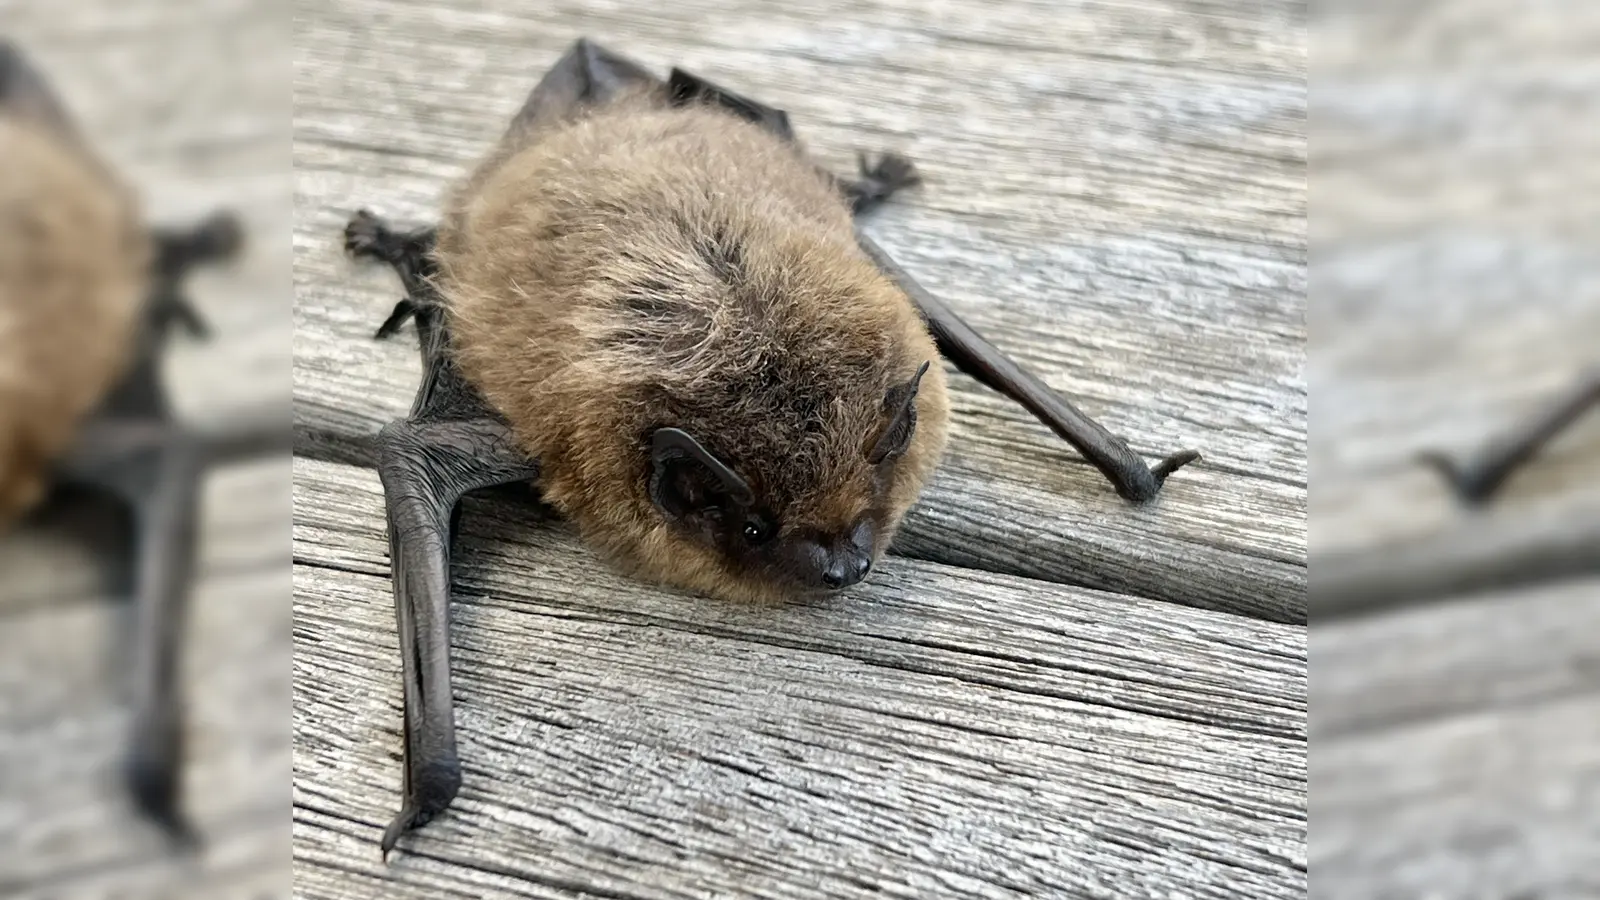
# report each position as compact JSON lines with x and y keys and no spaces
{"x":429,"y":792}
{"x":880,"y":180}
{"x":369,"y":236}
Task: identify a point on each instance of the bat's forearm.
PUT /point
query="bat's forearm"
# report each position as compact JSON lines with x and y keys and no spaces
{"x":426,"y":467}
{"x":155,"y":468}
{"x":974,"y":355}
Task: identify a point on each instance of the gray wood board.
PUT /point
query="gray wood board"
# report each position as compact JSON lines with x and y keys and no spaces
{"x":191,"y":103}
{"x":1456,"y":749}
{"x":1120,"y":205}
{"x":942,"y":732}
{"x":1457,"y":283}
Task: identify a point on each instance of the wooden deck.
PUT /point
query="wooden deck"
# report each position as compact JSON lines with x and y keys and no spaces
{"x":1046,"y":692}
{"x":1455,"y":750}
{"x":189,"y":101}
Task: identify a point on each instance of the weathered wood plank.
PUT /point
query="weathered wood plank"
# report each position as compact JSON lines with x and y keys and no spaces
{"x":1121,"y":206}
{"x":939,"y":731}
{"x":1456,"y":284}
{"x":1456,"y":749}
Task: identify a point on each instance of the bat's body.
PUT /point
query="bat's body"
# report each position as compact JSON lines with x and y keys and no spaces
{"x":87,"y":295}
{"x":610,"y":276}
{"x":649,"y":302}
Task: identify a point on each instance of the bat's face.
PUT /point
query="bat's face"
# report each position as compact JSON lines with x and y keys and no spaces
{"x":792,"y":538}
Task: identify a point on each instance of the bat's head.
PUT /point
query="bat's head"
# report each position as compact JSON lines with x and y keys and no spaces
{"x":810,"y":517}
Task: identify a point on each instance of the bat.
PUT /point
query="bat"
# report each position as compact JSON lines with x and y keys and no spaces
{"x":88,"y":295}
{"x":1480,"y":478}
{"x":650,"y":304}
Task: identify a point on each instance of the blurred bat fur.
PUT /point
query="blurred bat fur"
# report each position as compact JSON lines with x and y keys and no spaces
{"x":647,"y":301}
{"x":87,"y":293}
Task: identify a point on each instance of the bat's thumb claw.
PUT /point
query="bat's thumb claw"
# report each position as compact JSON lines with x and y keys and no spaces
{"x":153,"y":784}
{"x":1173,"y":463}
{"x":1470,"y":487}
{"x":401,"y":824}
{"x":430,"y":790}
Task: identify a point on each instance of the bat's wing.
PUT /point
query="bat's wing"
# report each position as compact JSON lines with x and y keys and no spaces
{"x":685,"y":87}
{"x":957,"y":340}
{"x":586,"y":75}
{"x":451,"y":444}
{"x":26,"y":94}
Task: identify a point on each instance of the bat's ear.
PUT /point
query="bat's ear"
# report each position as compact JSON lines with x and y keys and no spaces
{"x":24,"y":93}
{"x":900,"y":408}
{"x":685,"y":477}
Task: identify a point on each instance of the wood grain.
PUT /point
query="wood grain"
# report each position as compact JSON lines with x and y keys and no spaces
{"x":1120,"y":205}
{"x":1456,"y":751}
{"x":191,"y":103}
{"x":941,"y":732}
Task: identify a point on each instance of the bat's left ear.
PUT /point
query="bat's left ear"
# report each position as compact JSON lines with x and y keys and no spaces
{"x":900,"y":405}
{"x":685,"y":474}
{"x":24,"y":93}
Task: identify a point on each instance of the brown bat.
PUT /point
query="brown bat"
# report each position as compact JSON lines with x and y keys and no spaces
{"x":87,"y":294}
{"x":650,"y":303}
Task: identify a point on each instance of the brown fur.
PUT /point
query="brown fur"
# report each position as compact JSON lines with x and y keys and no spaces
{"x":73,"y":265}
{"x":643,"y":266}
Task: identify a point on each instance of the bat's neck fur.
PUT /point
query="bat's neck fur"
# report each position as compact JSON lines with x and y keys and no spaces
{"x":74,"y":261}
{"x":645,"y":266}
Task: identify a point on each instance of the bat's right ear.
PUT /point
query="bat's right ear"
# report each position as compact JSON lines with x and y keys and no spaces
{"x":900,"y":405}
{"x":24,"y":93}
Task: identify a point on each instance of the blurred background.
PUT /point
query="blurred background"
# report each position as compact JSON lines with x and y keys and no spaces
{"x":1455,"y":294}
{"x":190,"y":103}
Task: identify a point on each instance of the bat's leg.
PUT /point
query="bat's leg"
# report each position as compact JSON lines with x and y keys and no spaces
{"x":369,"y":236}
{"x":1478,"y":479}
{"x":155,"y":468}
{"x":975,"y":356}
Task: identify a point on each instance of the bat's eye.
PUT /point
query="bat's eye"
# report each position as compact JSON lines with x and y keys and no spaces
{"x":757,"y":530}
